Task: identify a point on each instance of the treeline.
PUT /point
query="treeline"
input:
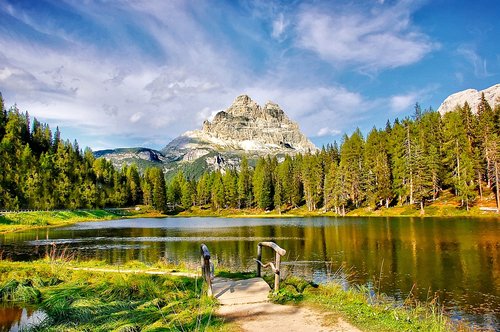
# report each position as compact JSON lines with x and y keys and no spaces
{"x":408,"y":162}
{"x":39,"y":170}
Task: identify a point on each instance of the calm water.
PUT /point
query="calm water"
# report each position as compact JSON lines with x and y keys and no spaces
{"x":454,"y":259}
{"x":14,"y":319}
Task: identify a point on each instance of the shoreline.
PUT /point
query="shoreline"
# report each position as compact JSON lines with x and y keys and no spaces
{"x":20,"y":221}
{"x":52,"y":280}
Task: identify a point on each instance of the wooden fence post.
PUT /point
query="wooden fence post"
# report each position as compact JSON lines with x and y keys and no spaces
{"x":205,"y":268}
{"x":274,"y":266}
{"x":259,"y":258}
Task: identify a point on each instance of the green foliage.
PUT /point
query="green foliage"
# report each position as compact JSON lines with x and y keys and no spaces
{"x":98,"y":301}
{"x":409,"y":162}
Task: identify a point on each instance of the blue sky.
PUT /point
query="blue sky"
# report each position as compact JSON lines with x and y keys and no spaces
{"x":139,"y":73}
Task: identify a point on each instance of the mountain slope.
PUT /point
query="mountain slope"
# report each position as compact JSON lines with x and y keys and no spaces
{"x":243,"y":128}
{"x":472,"y":97}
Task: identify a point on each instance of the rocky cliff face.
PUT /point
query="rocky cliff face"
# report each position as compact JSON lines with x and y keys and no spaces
{"x":472,"y":97}
{"x":243,"y":128}
{"x":247,"y":126}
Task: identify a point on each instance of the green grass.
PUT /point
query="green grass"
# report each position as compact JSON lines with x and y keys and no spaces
{"x":364,"y":310}
{"x":18,"y":221}
{"x":97,"y":301}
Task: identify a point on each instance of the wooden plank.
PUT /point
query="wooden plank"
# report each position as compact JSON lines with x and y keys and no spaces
{"x":231,"y":292}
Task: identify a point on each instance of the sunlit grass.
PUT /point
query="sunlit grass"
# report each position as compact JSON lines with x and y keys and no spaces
{"x":78,"y":300}
{"x":362,"y":308}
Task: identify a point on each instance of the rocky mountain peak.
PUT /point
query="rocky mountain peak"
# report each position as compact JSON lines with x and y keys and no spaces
{"x":243,"y":106}
{"x":252,"y":127}
{"x":472,"y":97}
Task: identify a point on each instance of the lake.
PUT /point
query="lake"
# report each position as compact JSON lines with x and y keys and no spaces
{"x":455,"y":260}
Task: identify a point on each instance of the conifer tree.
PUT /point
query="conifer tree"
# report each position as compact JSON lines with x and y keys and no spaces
{"x":351,"y":166}
{"x":218,"y":194}
{"x":244,"y":184}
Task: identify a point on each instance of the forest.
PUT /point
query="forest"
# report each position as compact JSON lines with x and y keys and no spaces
{"x":409,"y":162}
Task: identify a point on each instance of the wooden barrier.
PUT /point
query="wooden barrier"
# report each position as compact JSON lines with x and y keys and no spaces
{"x":274,"y":266}
{"x":206,"y":270}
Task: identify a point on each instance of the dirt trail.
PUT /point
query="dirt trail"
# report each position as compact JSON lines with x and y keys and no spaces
{"x":245,"y":304}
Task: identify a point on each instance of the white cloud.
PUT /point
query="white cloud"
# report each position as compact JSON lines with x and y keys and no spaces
{"x":403,"y":102}
{"x":326,"y":131}
{"x":372,"y":39}
{"x":136,"y":117}
{"x":279,"y":26}
{"x":194,"y":73}
{"x":475,"y":60}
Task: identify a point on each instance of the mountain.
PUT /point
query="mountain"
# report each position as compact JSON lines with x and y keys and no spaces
{"x":243,"y":128}
{"x":142,"y":157}
{"x":472,"y":97}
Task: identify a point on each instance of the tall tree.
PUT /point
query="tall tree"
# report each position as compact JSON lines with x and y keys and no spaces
{"x":352,"y":166}
{"x":244,"y":184}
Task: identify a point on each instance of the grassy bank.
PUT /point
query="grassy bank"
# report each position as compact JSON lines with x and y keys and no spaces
{"x":104,"y":299}
{"x":79,"y":300}
{"x":435,"y":210}
{"x":446,"y":206}
{"x":17,"y":221}
{"x":364,"y":310}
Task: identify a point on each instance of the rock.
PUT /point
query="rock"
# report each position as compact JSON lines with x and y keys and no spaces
{"x":472,"y":97}
{"x":246,"y":126}
{"x":243,"y":128}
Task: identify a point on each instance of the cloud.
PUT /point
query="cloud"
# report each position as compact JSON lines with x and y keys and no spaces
{"x":326,"y":131}
{"x":279,"y":26}
{"x":136,"y":117}
{"x":374,"y":39}
{"x":478,"y":63}
{"x":160,"y":68}
{"x":403,"y":102}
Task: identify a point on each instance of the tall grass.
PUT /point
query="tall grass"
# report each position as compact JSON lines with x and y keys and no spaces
{"x":365,"y":308}
{"x":97,"y":301}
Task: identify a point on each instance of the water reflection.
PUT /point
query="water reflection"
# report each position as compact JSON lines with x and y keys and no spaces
{"x":13,"y":319}
{"x":454,"y":259}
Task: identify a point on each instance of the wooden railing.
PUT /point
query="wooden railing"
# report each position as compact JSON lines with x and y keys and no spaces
{"x":206,"y":268}
{"x":274,"y":266}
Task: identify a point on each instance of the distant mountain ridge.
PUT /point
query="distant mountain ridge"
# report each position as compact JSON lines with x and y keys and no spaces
{"x":243,"y":128}
{"x":472,"y":97}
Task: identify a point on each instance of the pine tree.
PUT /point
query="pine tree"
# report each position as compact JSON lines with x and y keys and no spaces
{"x":187,"y":194}
{"x":262,"y":184}
{"x":458,"y":156}
{"x":378,"y":173}
{"x":485,"y":129}
{"x":312,"y":178}
{"x":244,"y":184}
{"x":230,"y":180}
{"x":218,"y":195}
{"x":352,"y":166}
{"x":159,"y":190}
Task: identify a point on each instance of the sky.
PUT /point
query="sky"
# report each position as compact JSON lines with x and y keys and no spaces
{"x":141,"y":72}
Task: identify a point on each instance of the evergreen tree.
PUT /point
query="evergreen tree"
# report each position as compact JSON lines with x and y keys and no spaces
{"x":352,"y":166}
{"x":244,"y":184}
{"x":458,"y":156}
{"x":230,"y":181}
{"x":262,"y":184}
{"x":187,"y":195}
{"x":159,"y":190}
{"x":218,"y":194}
{"x":377,"y":168}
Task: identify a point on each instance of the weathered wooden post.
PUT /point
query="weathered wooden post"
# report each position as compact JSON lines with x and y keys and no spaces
{"x":259,"y":258}
{"x":205,"y":267}
{"x":277,"y":261}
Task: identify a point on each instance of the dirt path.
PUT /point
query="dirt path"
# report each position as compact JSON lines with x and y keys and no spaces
{"x":245,"y":304}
